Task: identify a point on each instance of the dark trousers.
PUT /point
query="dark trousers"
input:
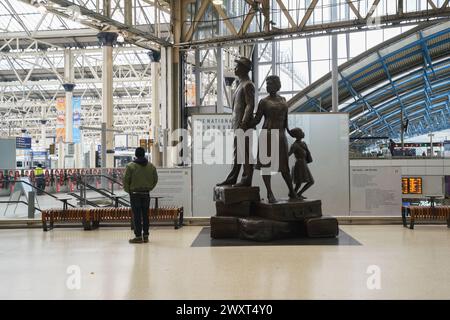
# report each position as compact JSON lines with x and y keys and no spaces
{"x":140,"y":203}
{"x":241,"y":152}
{"x":40,"y":183}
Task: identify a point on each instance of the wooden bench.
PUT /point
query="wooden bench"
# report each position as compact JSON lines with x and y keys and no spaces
{"x":50,"y":216}
{"x":429,"y":214}
{"x":90,"y":218}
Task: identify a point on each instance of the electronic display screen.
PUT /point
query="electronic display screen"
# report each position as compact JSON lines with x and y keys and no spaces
{"x":412,"y":185}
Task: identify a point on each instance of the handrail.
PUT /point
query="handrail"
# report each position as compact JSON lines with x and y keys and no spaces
{"x":19,"y":201}
{"x":105,"y":176}
{"x":39,"y":189}
{"x":110,"y":196}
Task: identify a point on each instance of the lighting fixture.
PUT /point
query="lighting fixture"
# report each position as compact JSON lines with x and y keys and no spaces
{"x":74,"y":12}
{"x":217,"y":2}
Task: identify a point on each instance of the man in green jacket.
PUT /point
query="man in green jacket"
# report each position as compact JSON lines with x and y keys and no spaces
{"x":140,"y":178}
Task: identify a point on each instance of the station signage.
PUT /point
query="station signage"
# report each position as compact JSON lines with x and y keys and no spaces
{"x":412,"y":185}
{"x":23,"y":143}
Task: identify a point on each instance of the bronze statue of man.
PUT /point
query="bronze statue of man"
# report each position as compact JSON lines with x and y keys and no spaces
{"x":243,"y":104}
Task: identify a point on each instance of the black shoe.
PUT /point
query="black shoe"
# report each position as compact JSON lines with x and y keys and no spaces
{"x":136,"y":240}
{"x":145,"y":239}
{"x":242,"y":184}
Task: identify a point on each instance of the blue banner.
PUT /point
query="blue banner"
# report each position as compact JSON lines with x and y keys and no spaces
{"x":76,"y":104}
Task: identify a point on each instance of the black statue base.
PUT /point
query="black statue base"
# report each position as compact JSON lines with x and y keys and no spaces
{"x":254,"y":228}
{"x":230,"y":195}
{"x":242,"y":209}
{"x":241,"y":214}
{"x":289,"y":210}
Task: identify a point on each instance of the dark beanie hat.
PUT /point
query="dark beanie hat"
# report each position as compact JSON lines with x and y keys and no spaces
{"x":140,"y":152}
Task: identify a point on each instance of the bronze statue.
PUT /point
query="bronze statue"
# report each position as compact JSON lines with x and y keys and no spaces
{"x":275,"y":111}
{"x":300,"y":171}
{"x":243,"y":104}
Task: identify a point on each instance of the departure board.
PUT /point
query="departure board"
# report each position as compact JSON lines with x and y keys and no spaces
{"x":412,"y":185}
{"x":405,"y":185}
{"x":415,"y":185}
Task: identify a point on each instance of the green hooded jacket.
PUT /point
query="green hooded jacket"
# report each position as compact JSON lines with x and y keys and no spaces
{"x":140,"y":177}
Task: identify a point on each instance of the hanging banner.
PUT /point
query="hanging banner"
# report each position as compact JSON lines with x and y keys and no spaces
{"x":60,"y":119}
{"x":76,"y":105}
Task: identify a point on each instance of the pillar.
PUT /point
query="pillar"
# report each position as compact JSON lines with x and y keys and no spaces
{"x":107,"y":40}
{"x":198,"y":82}
{"x":175,"y":116}
{"x":334,"y":62}
{"x":219,"y":79}
{"x":155,"y":57}
{"x":128,"y":8}
{"x":60,"y":154}
{"x":166,"y":101}
{"x":43,"y":138}
{"x":92,"y":155}
{"x":68,"y":88}
{"x":274,"y":58}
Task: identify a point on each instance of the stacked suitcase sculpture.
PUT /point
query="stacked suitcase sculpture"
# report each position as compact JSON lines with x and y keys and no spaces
{"x":240,"y":213}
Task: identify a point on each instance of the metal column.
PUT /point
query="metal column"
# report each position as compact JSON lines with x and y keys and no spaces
{"x":176,"y":82}
{"x":107,"y":40}
{"x":219,"y":79}
{"x":198,"y":83}
{"x":334,"y":62}
{"x":128,"y":16}
{"x":68,"y":88}
{"x":274,"y":58}
{"x":155,"y":57}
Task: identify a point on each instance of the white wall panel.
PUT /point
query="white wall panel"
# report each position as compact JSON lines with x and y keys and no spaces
{"x":327,"y":137}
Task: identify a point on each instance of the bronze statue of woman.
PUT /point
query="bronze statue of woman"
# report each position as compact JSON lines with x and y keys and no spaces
{"x":275,"y":111}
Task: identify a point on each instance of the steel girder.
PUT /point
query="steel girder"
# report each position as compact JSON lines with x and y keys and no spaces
{"x":420,"y":89}
{"x":243,"y":22}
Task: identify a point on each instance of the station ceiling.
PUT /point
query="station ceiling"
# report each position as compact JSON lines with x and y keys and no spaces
{"x":410,"y":72}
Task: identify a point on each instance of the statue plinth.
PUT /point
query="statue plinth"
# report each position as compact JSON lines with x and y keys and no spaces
{"x":289,"y":210}
{"x":242,"y":209}
{"x":232,"y":195}
{"x":241,"y":214}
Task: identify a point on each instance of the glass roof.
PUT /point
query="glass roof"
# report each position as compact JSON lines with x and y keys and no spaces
{"x":16,"y":16}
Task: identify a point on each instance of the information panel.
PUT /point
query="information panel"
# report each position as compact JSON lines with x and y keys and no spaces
{"x":174,"y":185}
{"x":375,"y":191}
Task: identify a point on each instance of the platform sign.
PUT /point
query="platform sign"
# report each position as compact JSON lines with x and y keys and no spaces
{"x":23,"y":143}
{"x":39,"y":154}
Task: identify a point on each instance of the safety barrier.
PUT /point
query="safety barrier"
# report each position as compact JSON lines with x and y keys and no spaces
{"x":429,"y":214}
{"x":92,"y":217}
{"x":61,"y":180}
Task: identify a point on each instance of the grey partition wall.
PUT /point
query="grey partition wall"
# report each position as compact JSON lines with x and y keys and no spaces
{"x":7,"y":153}
{"x":327,"y":137}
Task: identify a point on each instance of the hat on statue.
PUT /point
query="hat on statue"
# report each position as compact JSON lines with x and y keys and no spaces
{"x":245,"y":62}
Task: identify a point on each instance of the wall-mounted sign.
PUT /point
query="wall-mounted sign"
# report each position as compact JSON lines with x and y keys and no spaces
{"x":23,"y":143}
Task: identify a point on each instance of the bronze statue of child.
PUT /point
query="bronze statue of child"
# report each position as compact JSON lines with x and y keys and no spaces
{"x":300,"y":171}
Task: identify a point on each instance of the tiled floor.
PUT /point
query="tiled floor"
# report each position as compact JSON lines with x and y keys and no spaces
{"x":34,"y":265}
